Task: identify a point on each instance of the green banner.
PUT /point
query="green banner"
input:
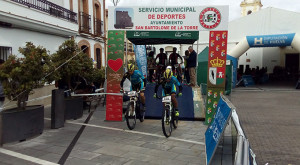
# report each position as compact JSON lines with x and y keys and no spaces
{"x":115,"y":55}
{"x":165,"y":34}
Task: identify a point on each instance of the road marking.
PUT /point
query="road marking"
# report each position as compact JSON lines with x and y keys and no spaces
{"x":26,"y":157}
{"x":135,"y":132}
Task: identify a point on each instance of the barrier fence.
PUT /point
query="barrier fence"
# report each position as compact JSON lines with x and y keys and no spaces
{"x":226,"y":112}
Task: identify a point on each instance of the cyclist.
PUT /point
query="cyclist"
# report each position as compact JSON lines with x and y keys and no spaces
{"x":168,"y":83}
{"x":173,"y":59}
{"x":138,"y":82}
{"x":162,"y":57}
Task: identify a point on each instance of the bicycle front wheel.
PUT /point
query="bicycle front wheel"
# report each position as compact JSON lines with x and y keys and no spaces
{"x":140,"y":113}
{"x":130,"y":116}
{"x":165,"y":122}
{"x":174,"y":119}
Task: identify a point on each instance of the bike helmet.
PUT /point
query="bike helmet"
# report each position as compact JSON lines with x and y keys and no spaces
{"x":130,"y":67}
{"x":168,"y":74}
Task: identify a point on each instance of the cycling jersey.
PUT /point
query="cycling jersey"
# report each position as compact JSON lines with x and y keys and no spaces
{"x":173,"y":58}
{"x":162,"y":58}
{"x":169,"y":87}
{"x":137,"y":80}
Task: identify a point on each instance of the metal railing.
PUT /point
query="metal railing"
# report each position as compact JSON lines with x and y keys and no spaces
{"x":98,"y":30}
{"x":51,"y":8}
{"x":85,"y":23}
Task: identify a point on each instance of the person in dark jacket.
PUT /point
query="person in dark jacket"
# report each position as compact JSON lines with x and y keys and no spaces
{"x":192,"y":63}
{"x":186,"y":70}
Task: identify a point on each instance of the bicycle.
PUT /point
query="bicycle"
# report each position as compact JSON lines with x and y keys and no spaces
{"x":168,"y":120}
{"x":133,"y":109}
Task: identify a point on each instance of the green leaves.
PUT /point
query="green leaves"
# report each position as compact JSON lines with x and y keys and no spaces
{"x":21,"y":75}
{"x":79,"y":65}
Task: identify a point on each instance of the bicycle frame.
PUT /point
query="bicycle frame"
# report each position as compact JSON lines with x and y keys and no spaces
{"x":170,"y":105}
{"x":134,"y":97}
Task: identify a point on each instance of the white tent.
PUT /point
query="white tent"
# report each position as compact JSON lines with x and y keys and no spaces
{"x":269,"y":21}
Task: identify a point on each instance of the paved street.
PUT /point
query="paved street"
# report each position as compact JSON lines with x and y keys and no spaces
{"x":270,"y":116}
{"x":103,"y":142}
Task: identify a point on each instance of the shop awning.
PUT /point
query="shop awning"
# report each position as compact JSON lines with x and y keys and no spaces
{"x":162,"y":37}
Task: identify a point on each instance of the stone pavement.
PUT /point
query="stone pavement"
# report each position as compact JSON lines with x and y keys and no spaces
{"x":102,"y":142}
{"x":270,"y":116}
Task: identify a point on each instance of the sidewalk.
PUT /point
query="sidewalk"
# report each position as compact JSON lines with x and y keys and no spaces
{"x":102,"y":142}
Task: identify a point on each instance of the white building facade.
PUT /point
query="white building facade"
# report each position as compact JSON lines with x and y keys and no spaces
{"x":50,"y":23}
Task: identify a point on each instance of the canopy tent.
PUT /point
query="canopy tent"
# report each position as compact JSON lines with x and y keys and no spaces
{"x":162,"y":37}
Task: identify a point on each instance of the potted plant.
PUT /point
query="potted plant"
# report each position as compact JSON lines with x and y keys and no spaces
{"x":19,"y":77}
{"x":74,"y":67}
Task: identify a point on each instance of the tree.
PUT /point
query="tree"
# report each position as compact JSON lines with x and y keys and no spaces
{"x":72,"y":65}
{"x":21,"y":75}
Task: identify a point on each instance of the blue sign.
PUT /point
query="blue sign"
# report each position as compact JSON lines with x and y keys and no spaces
{"x":215,"y":131}
{"x":248,"y":80}
{"x":271,"y":40}
{"x":141,"y":58}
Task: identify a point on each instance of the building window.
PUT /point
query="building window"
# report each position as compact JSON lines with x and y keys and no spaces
{"x":249,"y":12}
{"x":85,"y":49}
{"x":5,"y":52}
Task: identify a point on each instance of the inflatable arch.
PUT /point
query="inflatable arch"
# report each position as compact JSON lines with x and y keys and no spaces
{"x":279,"y":40}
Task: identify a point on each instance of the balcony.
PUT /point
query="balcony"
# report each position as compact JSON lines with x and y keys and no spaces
{"x":98,"y":30}
{"x":50,"y":8}
{"x":85,"y":23}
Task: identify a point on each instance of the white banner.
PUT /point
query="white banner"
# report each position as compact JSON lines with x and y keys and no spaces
{"x":166,"y":18}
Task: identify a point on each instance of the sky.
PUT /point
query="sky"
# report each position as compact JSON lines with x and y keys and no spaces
{"x":234,"y":5}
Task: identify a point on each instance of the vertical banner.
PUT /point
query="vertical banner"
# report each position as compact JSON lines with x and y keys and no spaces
{"x":215,"y":131}
{"x":216,"y":71}
{"x":115,"y":55}
{"x":141,"y":58}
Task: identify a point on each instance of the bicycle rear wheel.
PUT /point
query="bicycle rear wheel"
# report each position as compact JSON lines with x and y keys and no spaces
{"x":165,"y":122}
{"x":130,"y":116}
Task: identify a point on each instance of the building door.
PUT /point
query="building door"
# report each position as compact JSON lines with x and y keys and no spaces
{"x":292,"y":63}
{"x":98,"y":56}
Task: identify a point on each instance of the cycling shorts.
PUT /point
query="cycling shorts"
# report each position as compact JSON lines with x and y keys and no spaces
{"x":138,"y":87}
{"x":169,"y":91}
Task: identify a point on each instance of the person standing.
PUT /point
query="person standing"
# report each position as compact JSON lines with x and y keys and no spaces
{"x":173,"y":60}
{"x":151,"y":65}
{"x":2,"y":96}
{"x":161,"y":66}
{"x":192,"y":62}
{"x":186,"y":70}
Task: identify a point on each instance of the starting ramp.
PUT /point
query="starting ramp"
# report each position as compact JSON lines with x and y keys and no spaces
{"x":188,"y":108}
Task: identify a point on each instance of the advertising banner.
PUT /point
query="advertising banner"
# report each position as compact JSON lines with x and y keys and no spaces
{"x":141,"y":58}
{"x":217,"y":58}
{"x":215,"y":131}
{"x":213,"y":96}
{"x":271,"y":40}
{"x":168,"y":18}
{"x":115,"y":55}
{"x":166,"y":34}
{"x":216,"y":72}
